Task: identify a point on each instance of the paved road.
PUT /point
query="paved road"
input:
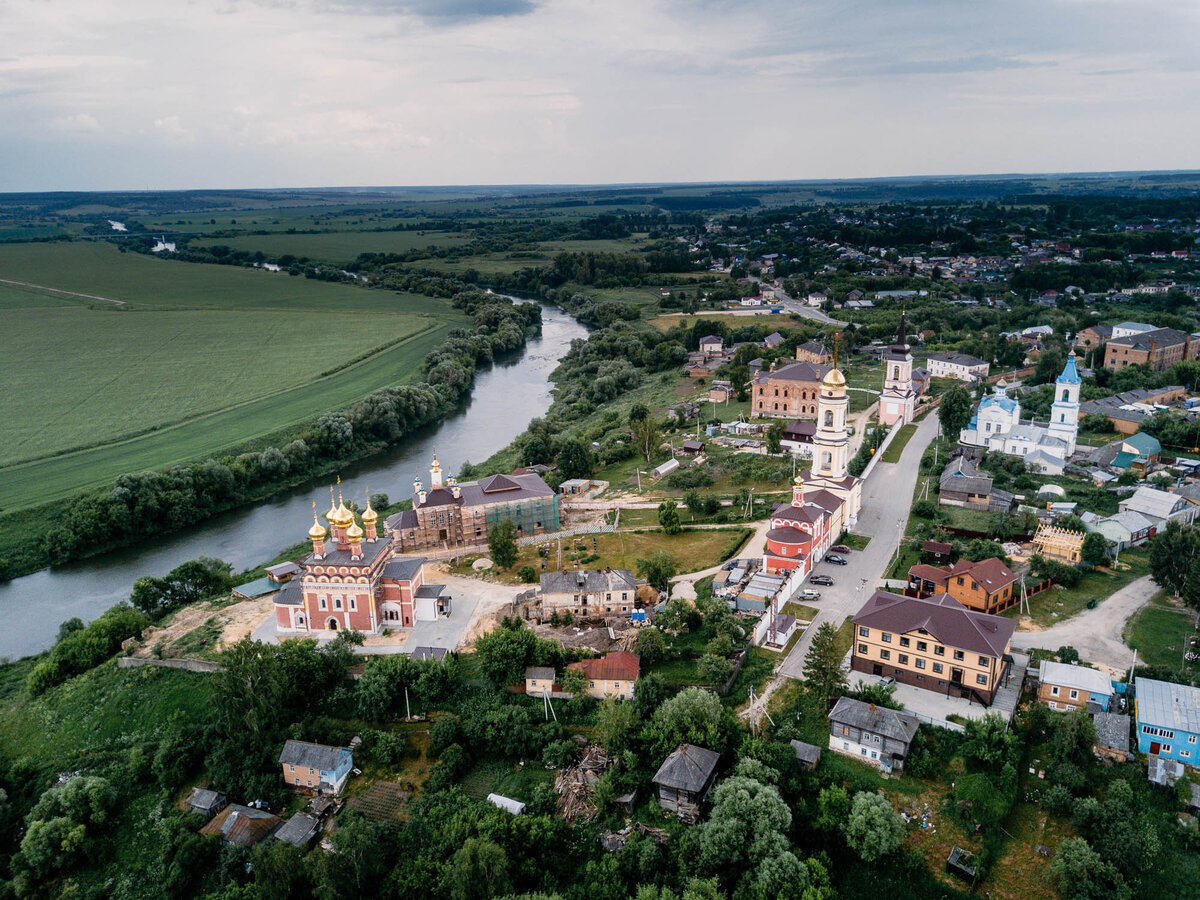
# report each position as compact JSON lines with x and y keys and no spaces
{"x":793,"y":305}
{"x":887,"y":496}
{"x":1096,"y":633}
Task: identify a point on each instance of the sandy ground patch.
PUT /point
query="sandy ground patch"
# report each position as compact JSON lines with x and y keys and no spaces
{"x":235,"y":621}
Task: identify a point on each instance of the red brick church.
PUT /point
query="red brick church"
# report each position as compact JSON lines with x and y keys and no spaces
{"x":352,"y":580}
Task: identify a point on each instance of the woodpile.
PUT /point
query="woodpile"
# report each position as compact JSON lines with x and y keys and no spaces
{"x":574,"y":785}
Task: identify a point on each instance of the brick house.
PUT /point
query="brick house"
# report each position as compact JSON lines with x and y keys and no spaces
{"x":451,"y":514}
{"x":585,"y":592}
{"x":1159,"y":349}
{"x":933,"y":643}
{"x":1067,"y":688}
{"x":789,"y":392}
{"x":815,"y":353}
{"x":318,"y":768}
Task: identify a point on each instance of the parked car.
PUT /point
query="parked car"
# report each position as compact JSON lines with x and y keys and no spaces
{"x":810,"y":594}
{"x":886,"y":681}
{"x":824,"y":580}
{"x":840,"y":548}
{"x":836,"y":560}
{"x":729,"y":566}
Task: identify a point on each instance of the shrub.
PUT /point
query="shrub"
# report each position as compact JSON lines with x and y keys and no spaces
{"x":527,"y":574}
{"x":86,"y":648}
{"x":925,"y":509}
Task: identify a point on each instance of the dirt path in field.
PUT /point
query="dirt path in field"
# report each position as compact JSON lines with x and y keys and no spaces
{"x":42,"y":287}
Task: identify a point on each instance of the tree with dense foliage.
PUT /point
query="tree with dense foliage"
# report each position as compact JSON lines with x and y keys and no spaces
{"x":575,"y":459}
{"x":505,"y":653}
{"x":187,"y":583}
{"x":502,"y":543}
{"x":658,"y":570}
{"x":775,"y":438}
{"x":954,"y":411}
{"x":694,"y":502}
{"x":873,"y":829}
{"x":617,"y":723}
{"x":1094,"y":551}
{"x":64,"y":827}
{"x":1174,"y":553}
{"x":651,"y":645}
{"x":693,"y":716}
{"x":744,"y":841}
{"x":823,"y":675}
{"x":668,"y":517}
{"x":646,"y":437}
{"x":1081,"y":873}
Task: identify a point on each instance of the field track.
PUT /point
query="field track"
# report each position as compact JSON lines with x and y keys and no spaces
{"x":42,"y":287}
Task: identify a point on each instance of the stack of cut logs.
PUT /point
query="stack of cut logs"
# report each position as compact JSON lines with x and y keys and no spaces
{"x":574,"y":785}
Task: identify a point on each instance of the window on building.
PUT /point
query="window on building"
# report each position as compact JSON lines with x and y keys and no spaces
{"x":845,"y":730}
{"x":939,"y":651}
{"x":960,"y":581}
{"x":1054,"y":691}
{"x":937,"y":668}
{"x":886,"y":637}
{"x":984,"y":661}
{"x":337,"y":602}
{"x":1074,"y":695}
{"x":885,"y":654}
{"x":958,"y":655}
{"x":904,"y":659}
{"x":923,"y":646}
{"x":321,"y":603}
{"x":1191,"y":739}
{"x":920,"y":663}
{"x":904,"y":642}
{"x":862,"y":648}
{"x":981,"y":679}
{"x":353,"y":604}
{"x":864,"y":632}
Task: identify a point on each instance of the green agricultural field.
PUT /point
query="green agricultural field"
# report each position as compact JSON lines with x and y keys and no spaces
{"x":194,"y":360}
{"x":339,"y":246}
{"x":99,"y":270}
{"x":127,"y":372}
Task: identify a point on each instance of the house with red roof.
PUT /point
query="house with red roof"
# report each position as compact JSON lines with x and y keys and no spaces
{"x":611,"y":675}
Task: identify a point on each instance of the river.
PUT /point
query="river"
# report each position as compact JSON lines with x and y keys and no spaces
{"x":506,"y":397}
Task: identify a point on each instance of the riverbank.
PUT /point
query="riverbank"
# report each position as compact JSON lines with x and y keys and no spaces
{"x":155,"y":501}
{"x":505,"y":397}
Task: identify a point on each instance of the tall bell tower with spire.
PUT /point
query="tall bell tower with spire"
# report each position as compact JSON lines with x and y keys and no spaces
{"x":831,"y":448}
{"x":897,"y":403}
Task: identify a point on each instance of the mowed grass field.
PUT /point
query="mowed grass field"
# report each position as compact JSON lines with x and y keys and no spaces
{"x":196,"y":360}
{"x":338,"y":247}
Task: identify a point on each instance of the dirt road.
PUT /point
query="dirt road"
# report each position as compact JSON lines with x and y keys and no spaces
{"x":1096,"y":633}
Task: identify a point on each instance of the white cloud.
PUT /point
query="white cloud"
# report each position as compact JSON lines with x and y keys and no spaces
{"x":473,"y":91}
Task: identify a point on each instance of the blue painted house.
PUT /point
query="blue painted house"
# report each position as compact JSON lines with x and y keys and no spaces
{"x":1168,"y":720}
{"x":315,"y":767}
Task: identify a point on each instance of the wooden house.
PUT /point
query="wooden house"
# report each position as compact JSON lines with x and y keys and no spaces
{"x":684,"y":780}
{"x":874,"y":734}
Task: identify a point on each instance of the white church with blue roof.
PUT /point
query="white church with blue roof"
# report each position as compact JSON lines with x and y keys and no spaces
{"x":997,"y":425}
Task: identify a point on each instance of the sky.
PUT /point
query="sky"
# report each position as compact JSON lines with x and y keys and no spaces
{"x":172,"y":94}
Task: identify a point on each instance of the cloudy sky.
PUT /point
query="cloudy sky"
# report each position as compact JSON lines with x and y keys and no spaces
{"x":141,"y":94}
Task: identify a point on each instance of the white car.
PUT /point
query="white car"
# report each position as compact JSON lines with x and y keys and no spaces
{"x":810,"y":594}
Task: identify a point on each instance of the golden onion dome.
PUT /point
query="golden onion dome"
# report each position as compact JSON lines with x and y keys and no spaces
{"x":435,"y":466}
{"x":369,"y":515}
{"x":834,"y":378}
{"x":317,"y":532}
{"x":332,"y":515}
{"x":798,"y":480}
{"x":344,"y":516}
{"x":354,"y":532}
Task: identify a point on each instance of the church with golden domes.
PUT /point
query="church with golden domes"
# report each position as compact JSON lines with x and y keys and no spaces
{"x":825,"y":500}
{"x":352,"y":580}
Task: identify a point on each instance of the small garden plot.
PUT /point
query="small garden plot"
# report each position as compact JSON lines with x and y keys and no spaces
{"x":383,"y":802}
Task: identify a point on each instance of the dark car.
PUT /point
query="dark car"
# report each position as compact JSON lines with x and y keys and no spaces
{"x":836,"y":560}
{"x":824,"y":580}
{"x":840,"y":548}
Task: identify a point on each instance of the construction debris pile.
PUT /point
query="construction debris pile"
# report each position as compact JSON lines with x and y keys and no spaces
{"x":612,"y":841}
{"x":574,"y":784}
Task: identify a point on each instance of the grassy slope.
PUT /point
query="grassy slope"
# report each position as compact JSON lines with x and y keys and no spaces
{"x":1158,"y":632}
